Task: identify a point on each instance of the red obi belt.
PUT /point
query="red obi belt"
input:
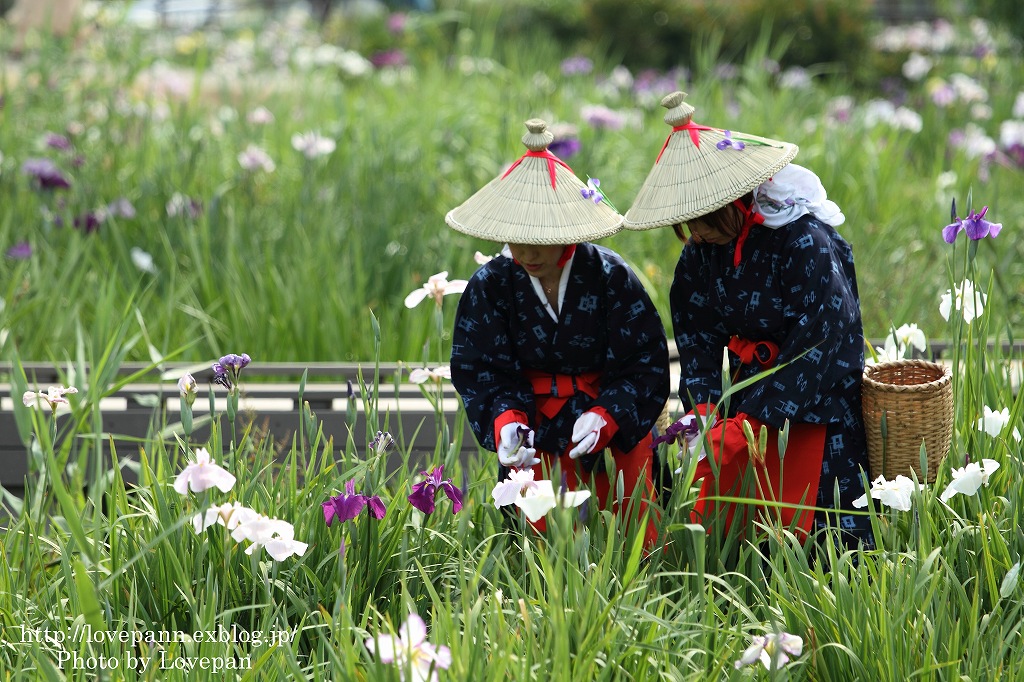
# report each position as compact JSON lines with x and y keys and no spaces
{"x":554,"y":390}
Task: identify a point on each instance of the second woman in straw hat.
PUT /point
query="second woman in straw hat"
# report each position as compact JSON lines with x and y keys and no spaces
{"x":765,"y":274}
{"x":558,"y":351}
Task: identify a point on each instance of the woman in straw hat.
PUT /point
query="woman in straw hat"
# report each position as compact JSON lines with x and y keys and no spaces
{"x":765,"y":274}
{"x":557,"y":351}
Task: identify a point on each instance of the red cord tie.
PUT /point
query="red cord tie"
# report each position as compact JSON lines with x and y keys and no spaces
{"x":764,"y":352}
{"x":543,"y":154}
{"x":694,"y":131}
{"x":750,"y":218}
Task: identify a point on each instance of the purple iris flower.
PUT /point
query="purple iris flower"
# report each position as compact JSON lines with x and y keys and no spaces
{"x":348,"y":506}
{"x":422,"y":496}
{"x":20,"y":251}
{"x":1016,"y":153}
{"x":577,"y":66}
{"x":382,"y":442}
{"x":388,"y":58}
{"x":564,"y":148}
{"x":678,"y":432}
{"x":88,"y":222}
{"x":728,"y":142}
{"x":220,"y":376}
{"x":58,"y":142}
{"x":974,"y":225}
{"x":227,"y":369}
{"x":45,"y":174}
{"x":235,"y":363}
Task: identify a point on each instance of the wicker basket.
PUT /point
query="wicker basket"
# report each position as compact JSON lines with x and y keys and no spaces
{"x":915,"y":398}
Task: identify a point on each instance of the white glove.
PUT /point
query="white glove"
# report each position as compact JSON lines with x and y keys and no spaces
{"x":586,"y":431}
{"x":515,"y":447}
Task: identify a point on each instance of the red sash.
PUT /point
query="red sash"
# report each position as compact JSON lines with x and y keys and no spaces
{"x":554,"y":390}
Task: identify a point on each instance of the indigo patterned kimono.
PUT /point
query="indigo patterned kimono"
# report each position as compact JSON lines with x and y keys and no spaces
{"x":607,"y":324}
{"x":795,"y":287}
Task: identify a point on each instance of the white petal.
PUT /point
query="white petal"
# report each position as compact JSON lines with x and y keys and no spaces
{"x":791,"y":644}
{"x":443,"y":657}
{"x":456,"y":286}
{"x":385,"y":646}
{"x":946,"y":305}
{"x":207,"y":476}
{"x":505,"y":493}
{"x":574,"y":498}
{"x":415,"y":298}
{"x":897,"y":499}
{"x":282,"y":549}
{"x":181,"y":482}
{"x":413,"y":631}
{"x":536,"y":506}
{"x":861,"y":501}
{"x":752,"y":653}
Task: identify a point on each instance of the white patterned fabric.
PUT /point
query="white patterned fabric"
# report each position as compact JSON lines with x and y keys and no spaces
{"x":792,"y":192}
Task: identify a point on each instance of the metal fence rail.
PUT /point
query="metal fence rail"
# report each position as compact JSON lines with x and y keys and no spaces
{"x":270,"y":402}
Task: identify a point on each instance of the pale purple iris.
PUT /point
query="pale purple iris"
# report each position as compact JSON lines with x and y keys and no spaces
{"x":729,"y":143}
{"x":422,"y":496}
{"x":348,"y":506}
{"x":592,"y":192}
{"x":227,"y":369}
{"x":45,"y":174}
{"x":974,"y":225}
{"x":20,"y":251}
{"x":678,"y":432}
{"x":56,"y":141}
{"x":121,"y":208}
{"x":577,"y":66}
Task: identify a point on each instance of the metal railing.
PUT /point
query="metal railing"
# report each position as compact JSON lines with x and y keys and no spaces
{"x":273,"y":398}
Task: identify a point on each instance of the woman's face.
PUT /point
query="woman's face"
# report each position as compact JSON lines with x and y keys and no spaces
{"x":541,"y":261}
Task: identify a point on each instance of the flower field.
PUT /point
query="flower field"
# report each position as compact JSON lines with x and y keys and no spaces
{"x":170,"y":195}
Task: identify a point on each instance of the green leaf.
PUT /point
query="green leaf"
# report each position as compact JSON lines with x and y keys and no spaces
{"x":86,"y":591}
{"x":1009,"y":583}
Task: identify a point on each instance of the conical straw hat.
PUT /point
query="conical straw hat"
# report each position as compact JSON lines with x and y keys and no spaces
{"x":538,"y":200}
{"x":701,"y":169}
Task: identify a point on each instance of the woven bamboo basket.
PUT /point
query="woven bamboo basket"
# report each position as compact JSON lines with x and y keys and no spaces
{"x":905,"y":403}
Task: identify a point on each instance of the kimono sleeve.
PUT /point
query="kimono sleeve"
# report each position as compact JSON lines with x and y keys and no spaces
{"x":822,"y":344}
{"x":699,"y":332}
{"x":485,"y":369}
{"x":635,"y":383}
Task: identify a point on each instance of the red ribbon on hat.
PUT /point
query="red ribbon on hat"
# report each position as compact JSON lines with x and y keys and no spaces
{"x":543,"y":154}
{"x":694,"y":130}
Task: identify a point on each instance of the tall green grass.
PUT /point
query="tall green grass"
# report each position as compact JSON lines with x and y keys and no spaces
{"x":939,"y":597}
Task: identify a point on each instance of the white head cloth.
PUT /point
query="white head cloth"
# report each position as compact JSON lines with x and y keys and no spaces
{"x":792,"y":192}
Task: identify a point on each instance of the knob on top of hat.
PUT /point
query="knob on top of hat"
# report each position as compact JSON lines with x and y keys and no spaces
{"x":539,"y":137}
{"x":679,"y":112}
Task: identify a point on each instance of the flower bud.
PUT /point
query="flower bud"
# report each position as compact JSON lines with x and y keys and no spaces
{"x":188,"y":388}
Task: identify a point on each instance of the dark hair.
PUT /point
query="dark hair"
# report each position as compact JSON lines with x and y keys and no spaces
{"x":727,"y":219}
